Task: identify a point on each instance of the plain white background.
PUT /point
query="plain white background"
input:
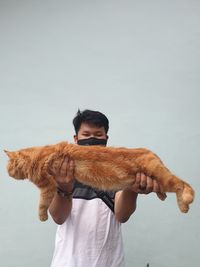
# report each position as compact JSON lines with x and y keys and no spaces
{"x":136,"y":61}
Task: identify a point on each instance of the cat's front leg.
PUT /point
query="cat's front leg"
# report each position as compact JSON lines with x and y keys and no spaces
{"x":46,"y":196}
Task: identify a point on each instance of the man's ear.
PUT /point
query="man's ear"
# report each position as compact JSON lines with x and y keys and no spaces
{"x":75,"y":139}
{"x":107,"y":137}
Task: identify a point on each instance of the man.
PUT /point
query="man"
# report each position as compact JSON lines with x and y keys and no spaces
{"x":89,"y":233}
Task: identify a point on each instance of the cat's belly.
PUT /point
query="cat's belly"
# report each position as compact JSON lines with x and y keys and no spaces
{"x":102,"y":175}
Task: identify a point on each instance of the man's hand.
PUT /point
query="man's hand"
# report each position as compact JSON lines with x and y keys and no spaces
{"x":125,"y":201}
{"x":63,"y":171}
{"x":64,"y":174}
{"x":144,"y":184}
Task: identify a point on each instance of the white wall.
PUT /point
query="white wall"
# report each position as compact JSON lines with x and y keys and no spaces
{"x":136,"y":61}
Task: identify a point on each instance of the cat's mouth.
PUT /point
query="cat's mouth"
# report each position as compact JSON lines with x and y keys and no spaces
{"x":16,"y":175}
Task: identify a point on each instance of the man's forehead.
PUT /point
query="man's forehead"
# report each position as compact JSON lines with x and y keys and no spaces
{"x":90,"y":127}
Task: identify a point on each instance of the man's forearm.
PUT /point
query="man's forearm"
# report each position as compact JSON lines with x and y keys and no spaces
{"x":60,"y":208}
{"x":125,"y":204}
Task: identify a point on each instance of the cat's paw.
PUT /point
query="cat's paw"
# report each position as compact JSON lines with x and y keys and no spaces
{"x":184,"y":208}
{"x":188,"y":194}
{"x":185,"y":197}
{"x":43,"y":217}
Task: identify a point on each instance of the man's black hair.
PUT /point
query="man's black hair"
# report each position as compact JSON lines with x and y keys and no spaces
{"x":91,"y":117}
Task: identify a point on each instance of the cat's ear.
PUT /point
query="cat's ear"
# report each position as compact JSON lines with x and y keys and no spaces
{"x":10,"y":154}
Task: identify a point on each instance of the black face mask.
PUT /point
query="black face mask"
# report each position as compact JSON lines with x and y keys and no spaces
{"x":92,"y":141}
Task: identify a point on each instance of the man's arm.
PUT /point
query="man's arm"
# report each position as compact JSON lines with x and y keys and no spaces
{"x":61,"y":206}
{"x":125,"y":201}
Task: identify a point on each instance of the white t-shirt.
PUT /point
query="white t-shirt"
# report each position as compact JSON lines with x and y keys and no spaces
{"x":91,"y":235}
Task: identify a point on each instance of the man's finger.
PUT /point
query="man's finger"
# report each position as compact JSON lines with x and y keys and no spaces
{"x":156,"y":187}
{"x":70,"y":171}
{"x":149,"y":186}
{"x":64,"y":167}
{"x":137,"y":178}
{"x":56,"y":165}
{"x":143,"y":182}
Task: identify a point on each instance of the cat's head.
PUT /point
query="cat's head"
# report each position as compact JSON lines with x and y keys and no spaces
{"x":16,"y":165}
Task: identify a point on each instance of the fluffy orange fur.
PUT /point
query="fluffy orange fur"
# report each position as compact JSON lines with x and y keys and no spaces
{"x":106,"y":168}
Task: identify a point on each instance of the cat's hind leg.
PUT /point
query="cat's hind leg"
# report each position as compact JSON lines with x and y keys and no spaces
{"x":171,"y":183}
{"x":185,"y":196}
{"x":184,"y":192}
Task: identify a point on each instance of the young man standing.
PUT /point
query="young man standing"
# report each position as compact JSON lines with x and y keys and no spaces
{"x":89,"y":233}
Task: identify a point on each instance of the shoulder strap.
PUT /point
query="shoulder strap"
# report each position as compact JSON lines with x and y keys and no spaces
{"x":106,"y":199}
{"x":87,"y":192}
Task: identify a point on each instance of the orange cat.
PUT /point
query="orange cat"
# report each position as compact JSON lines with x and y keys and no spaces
{"x":106,"y":168}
